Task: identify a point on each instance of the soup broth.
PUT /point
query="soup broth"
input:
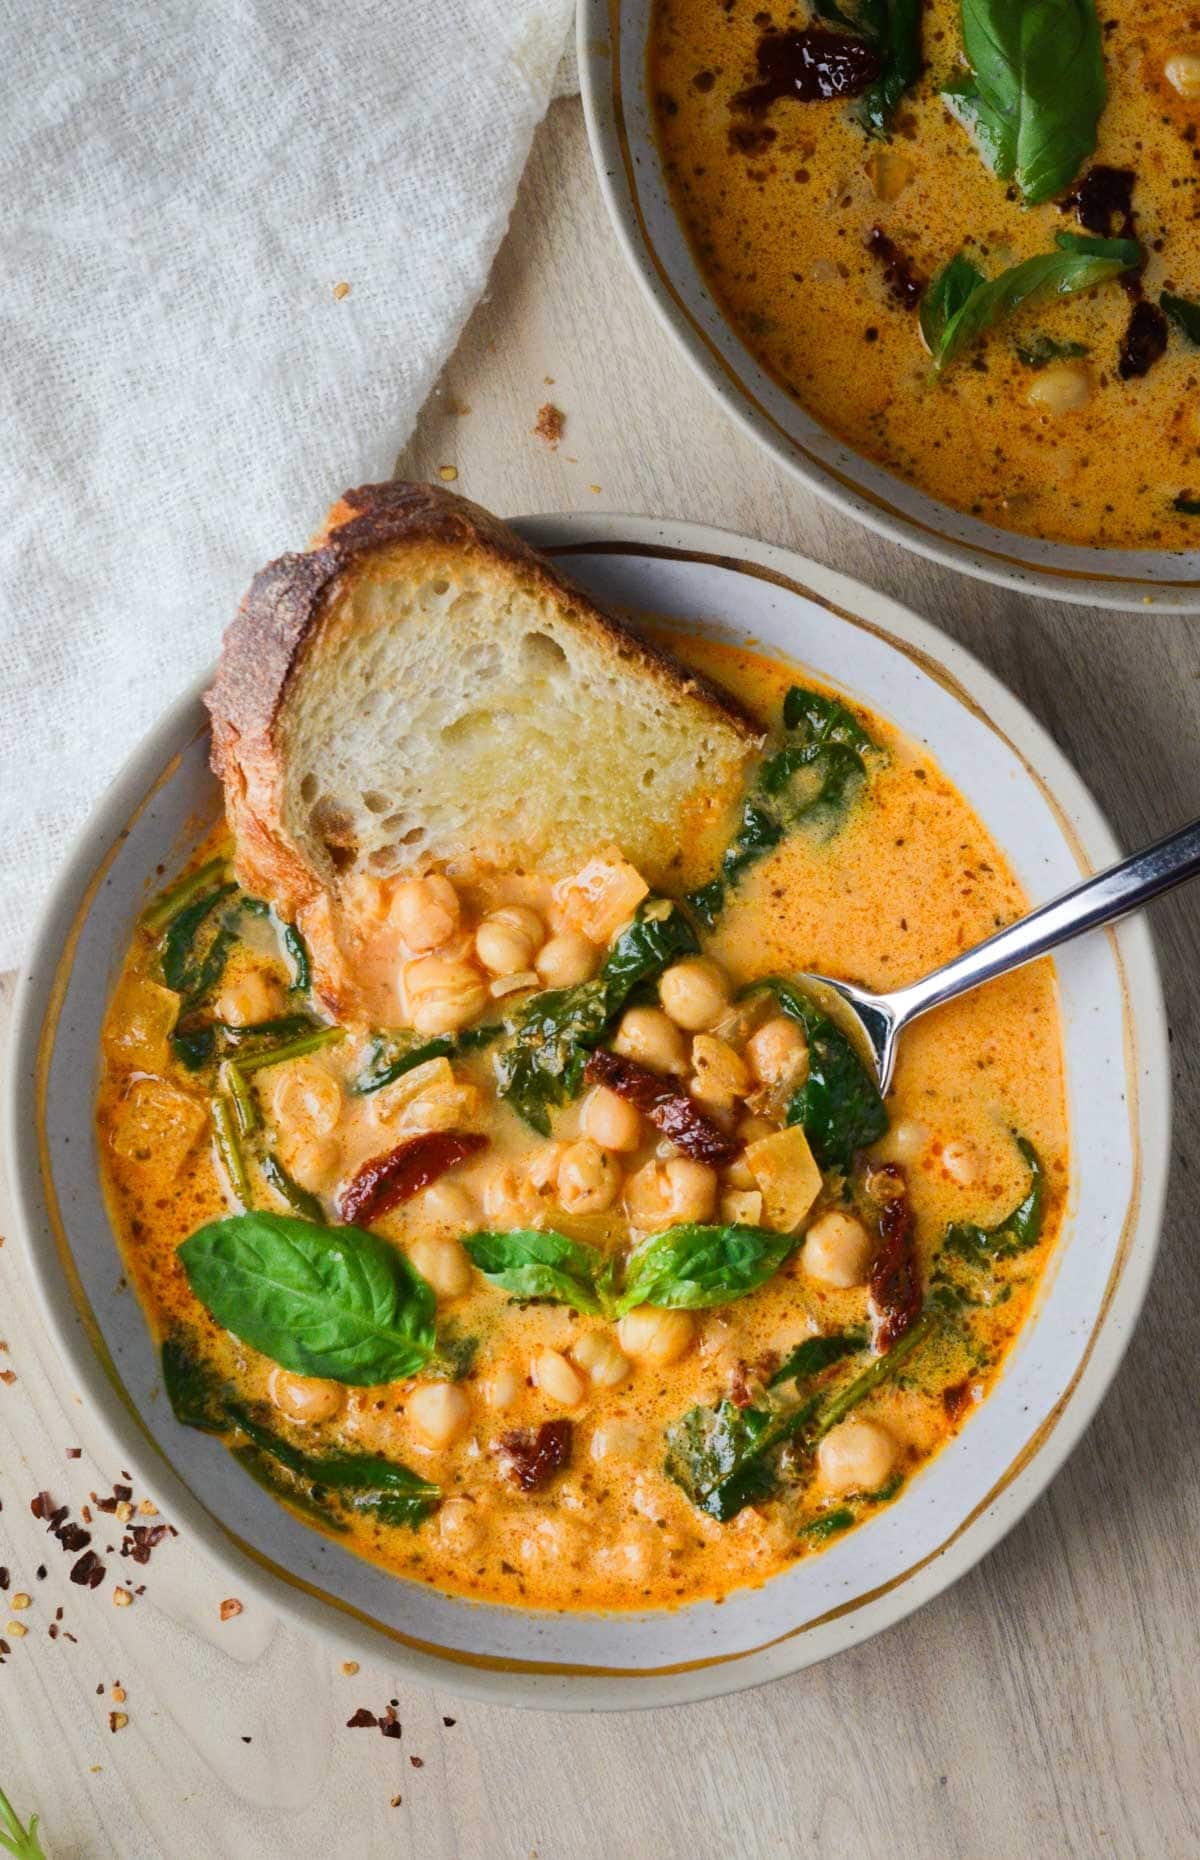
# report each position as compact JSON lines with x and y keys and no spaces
{"x":561,"y":1446}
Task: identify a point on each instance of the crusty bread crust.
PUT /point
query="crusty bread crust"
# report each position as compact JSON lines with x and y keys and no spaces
{"x":280,"y":622}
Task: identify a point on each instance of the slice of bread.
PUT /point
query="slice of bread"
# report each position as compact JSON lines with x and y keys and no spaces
{"x":420,"y":690}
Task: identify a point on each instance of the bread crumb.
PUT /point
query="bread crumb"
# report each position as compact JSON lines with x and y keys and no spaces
{"x":230,"y":1607}
{"x":349,"y":1667}
{"x":447,"y":473}
{"x":147,"y":1509}
{"x":550,"y":424}
{"x":124,"y":1511}
{"x":340,"y":291}
{"x":122,"y":1598}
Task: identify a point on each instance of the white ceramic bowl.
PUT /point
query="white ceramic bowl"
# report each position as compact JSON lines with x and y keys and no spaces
{"x":961,"y":1504}
{"x":612,"y":68}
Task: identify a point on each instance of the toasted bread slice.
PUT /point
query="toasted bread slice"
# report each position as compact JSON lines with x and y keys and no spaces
{"x":420,"y":690}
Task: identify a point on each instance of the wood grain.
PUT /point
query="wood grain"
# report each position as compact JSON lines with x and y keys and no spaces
{"x":1047,"y":1707}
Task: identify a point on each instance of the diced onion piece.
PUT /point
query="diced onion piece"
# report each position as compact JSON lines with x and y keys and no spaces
{"x":510,"y":984}
{"x":432,"y":1075}
{"x":602,"y":896}
{"x":784,"y":1168}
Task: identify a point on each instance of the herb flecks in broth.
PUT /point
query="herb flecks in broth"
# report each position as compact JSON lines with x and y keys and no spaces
{"x":477,"y":1383}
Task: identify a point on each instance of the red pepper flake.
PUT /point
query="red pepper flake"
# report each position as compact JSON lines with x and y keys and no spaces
{"x":229,"y":1608}
{"x":418,"y":1763}
{"x":668,"y":1108}
{"x":532,"y":1456}
{"x":246,"y":1740}
{"x":122,"y":1494}
{"x":41,"y":1505}
{"x":74,"y":1453}
{"x":362,"y":1720}
{"x":396,"y":1800}
{"x":52,"y":1630}
{"x":387,"y":1180}
{"x":4,"y":1578}
{"x":449,"y":1722}
{"x":88,"y":1571}
{"x":389,"y":1724}
{"x":8,"y":1376}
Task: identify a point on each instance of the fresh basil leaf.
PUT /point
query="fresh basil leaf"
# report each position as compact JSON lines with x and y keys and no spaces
{"x":554,"y":1032}
{"x":1127,"y":252}
{"x":456,"y":1353}
{"x":817,"y":1353}
{"x":811,"y":782}
{"x":945,"y":297}
{"x":1021,"y":1229}
{"x":360,"y":1483}
{"x":1040,"y":351}
{"x":991,"y":134}
{"x":1038,"y":67}
{"x":321,"y":1301}
{"x":838,"y":1105}
{"x":194,"y":1392}
{"x":1048,"y":274}
{"x":270,"y":1475}
{"x":692,"y":1267}
{"x":539,"y":1263}
{"x":1183,"y":312}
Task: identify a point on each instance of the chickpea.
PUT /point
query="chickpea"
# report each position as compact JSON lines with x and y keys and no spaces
{"x":313,"y":1160}
{"x":459,"y":1525}
{"x":695,"y":993}
{"x":720,"y":1076}
{"x":961,"y":1163}
{"x":502,"y":1388}
{"x":906,"y":1140}
{"x":444,"y":1264}
{"x":443,"y":994}
{"x":558,"y":1378}
{"x":656,"y":1337}
{"x":649,"y":1036}
{"x":509,"y":1198}
{"x":425,"y":911}
{"x":743,"y":1207}
{"x":609,"y":1120}
{"x":661,"y":1194}
{"x":506,"y":939}
{"x":777,"y":1052}
{"x":856,"y":1456}
{"x":612,"y":1439}
{"x":249,"y":997}
{"x":1064,"y":387}
{"x":597,"y":1354}
{"x":566,"y":959}
{"x":738,"y":1173}
{"x":439,"y":1413}
{"x":306,"y":1096}
{"x":838,"y":1250}
{"x":449,"y":1204}
{"x":589,"y":1181}
{"x":1182,"y":72}
{"x":303,"y":1398}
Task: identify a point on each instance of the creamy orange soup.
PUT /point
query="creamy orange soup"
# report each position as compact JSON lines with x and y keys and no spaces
{"x":818,"y":241}
{"x":592,"y":1439}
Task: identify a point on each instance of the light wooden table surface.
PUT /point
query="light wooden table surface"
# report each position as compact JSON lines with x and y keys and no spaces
{"x":1047,"y":1706}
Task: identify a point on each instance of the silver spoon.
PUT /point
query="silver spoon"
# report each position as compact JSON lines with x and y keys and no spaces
{"x":879,"y":1020}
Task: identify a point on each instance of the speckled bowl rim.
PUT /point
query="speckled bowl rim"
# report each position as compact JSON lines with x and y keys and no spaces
{"x":626,"y":163}
{"x":524,"y":1683}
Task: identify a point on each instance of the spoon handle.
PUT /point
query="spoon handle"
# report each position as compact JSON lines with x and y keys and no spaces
{"x":1100,"y":900}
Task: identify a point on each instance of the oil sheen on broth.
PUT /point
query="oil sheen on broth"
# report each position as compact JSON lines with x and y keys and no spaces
{"x":543,"y":1431}
{"x":797,"y":219}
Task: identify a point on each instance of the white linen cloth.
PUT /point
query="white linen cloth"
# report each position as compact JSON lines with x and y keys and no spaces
{"x":183,"y":391}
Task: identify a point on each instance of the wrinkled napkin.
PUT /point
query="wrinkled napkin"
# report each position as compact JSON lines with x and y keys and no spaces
{"x":189,"y":187}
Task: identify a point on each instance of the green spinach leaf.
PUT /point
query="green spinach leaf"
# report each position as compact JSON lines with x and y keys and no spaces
{"x":554,"y":1032}
{"x":838,"y":1105}
{"x":1040,"y":351}
{"x":1039,"y":89}
{"x":812,"y":781}
{"x":297,"y":949}
{"x":829,"y":1524}
{"x":194,"y":1392}
{"x":691,"y":1267}
{"x":818,"y":1353}
{"x":1020,"y":1231}
{"x":1048,"y":274}
{"x":357,"y":1482}
{"x":1184,"y":312}
{"x":539,"y":1263}
{"x":320,"y":1301}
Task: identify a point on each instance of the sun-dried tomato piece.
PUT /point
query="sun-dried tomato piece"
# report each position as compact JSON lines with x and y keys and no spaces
{"x":812,"y":65}
{"x":533,"y":1455}
{"x":895,"y":1282}
{"x":386,"y":1180}
{"x":668,"y":1108}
